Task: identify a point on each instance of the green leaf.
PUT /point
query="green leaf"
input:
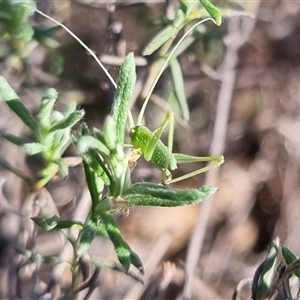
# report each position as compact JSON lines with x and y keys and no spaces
{"x":110,"y":133}
{"x":22,"y":10}
{"x":181,"y":15}
{"x":46,"y":107}
{"x":13,"y":101}
{"x":99,"y":135}
{"x":19,"y":141}
{"x":96,"y":163}
{"x":69,"y":121}
{"x":100,"y":229}
{"x":61,"y":139}
{"x":213,"y":11}
{"x":121,"y":248}
{"x":268,"y":272}
{"x":136,"y":261}
{"x":88,"y":234}
{"x":50,"y":224}
{"x":33,"y":148}
{"x":63,"y":167}
{"x":94,"y":182}
{"x":100,"y":263}
{"x":178,"y":84}
{"x":123,"y":95}
{"x":160,"y":38}
{"x":289,"y":257}
{"x":86,"y":142}
{"x":125,"y":255}
{"x":23,"y":33}
{"x":150,"y":194}
{"x":46,"y":174}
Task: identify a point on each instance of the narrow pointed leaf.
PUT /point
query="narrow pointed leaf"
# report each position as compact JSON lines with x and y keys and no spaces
{"x":87,"y":142}
{"x":69,"y":121}
{"x":110,"y":133}
{"x":61,"y":140}
{"x":179,"y":87}
{"x":46,"y":107}
{"x":267,"y":274}
{"x":114,"y":266}
{"x":33,"y":148}
{"x":123,"y":95}
{"x":13,"y":101}
{"x":63,"y":167}
{"x":160,"y":38}
{"x":150,"y":194}
{"x":94,"y":182}
{"x":121,"y":248}
{"x":88,"y":234}
{"x":180,"y":15}
{"x":289,"y":257}
{"x":19,"y":141}
{"x":213,"y":11}
{"x":50,"y":224}
{"x":98,"y":166}
{"x":136,"y":261}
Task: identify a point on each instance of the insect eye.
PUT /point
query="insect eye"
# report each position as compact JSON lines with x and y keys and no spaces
{"x":132,"y":131}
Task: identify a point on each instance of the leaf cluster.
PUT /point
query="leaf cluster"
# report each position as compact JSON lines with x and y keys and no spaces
{"x":104,"y":154}
{"x":14,"y":21}
{"x":273,"y":275}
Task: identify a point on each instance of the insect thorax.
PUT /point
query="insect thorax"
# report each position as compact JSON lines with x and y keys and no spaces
{"x":141,"y":137}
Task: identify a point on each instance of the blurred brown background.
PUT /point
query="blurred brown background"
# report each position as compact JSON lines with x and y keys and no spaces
{"x":258,"y":196}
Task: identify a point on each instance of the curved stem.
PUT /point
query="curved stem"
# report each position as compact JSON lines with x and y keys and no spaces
{"x":83,"y":45}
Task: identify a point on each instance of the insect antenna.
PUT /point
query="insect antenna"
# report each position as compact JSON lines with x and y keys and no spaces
{"x":142,"y":111}
{"x":82,"y":44}
{"x":130,"y":118}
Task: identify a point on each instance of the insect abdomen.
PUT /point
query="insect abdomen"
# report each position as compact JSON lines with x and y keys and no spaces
{"x":141,"y":137}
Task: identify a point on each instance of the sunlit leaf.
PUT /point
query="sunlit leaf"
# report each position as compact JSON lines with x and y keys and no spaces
{"x":160,"y":38}
{"x":178,"y":84}
{"x":50,"y":224}
{"x":46,"y":107}
{"x":289,"y":257}
{"x":110,"y":133}
{"x":123,"y":95}
{"x":13,"y":101}
{"x":150,"y":194}
{"x":19,"y":141}
{"x":33,"y":148}
{"x":69,"y":121}
{"x":213,"y":11}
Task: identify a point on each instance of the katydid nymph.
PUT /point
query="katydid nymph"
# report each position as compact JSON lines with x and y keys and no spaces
{"x":154,"y":150}
{"x":150,"y":144}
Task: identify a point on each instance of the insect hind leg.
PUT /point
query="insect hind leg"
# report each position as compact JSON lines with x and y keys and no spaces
{"x":215,"y":161}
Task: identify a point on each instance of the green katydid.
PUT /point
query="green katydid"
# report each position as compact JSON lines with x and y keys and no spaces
{"x":162,"y":156}
{"x":148,"y":143}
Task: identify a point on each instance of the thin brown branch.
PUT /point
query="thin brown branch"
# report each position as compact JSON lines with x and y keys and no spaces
{"x":236,"y":37}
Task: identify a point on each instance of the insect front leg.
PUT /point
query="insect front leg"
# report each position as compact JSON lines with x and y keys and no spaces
{"x":134,"y":155}
{"x":153,"y":148}
{"x":169,"y":119}
{"x":157,"y":133}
